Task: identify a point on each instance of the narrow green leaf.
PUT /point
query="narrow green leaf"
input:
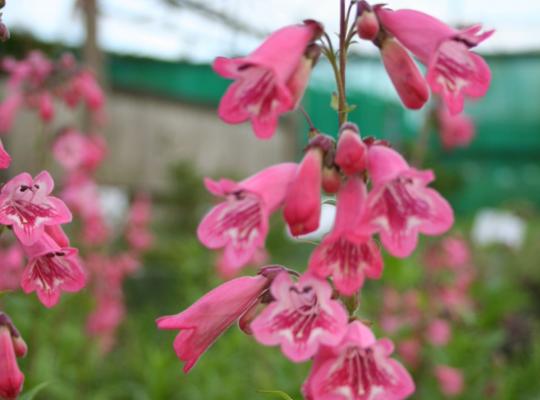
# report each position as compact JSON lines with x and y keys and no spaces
{"x":334,"y":102}
{"x":279,"y":393}
{"x":32,"y":393}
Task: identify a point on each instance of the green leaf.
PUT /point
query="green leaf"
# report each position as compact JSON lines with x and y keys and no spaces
{"x":32,"y":393}
{"x":334,"y":102}
{"x":279,"y":393}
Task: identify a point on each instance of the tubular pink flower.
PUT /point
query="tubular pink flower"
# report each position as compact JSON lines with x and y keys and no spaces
{"x":5,"y":158}
{"x":46,"y":107}
{"x":351,"y":150}
{"x":450,"y":380}
{"x":359,"y":368}
{"x":270,"y":81}
{"x":348,"y":253}
{"x":11,"y":346}
{"x":455,"y":130}
{"x":453,"y":70}
{"x":401,"y":205}
{"x":302,"y":318}
{"x":52,"y":268}
{"x":302,"y":209}
{"x":202,"y":323}
{"x":25,"y":205}
{"x":404,"y":74}
{"x":240,"y":223}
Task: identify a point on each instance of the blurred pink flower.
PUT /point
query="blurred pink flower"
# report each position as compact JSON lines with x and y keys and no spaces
{"x":203,"y":322}
{"x":52,"y":268}
{"x":302,"y":209}
{"x":438,"y":332}
{"x":5,"y":158}
{"x":455,"y":130}
{"x":240,"y":223}
{"x":228,"y":271}
{"x":25,"y":205}
{"x":410,"y":351}
{"x":450,"y":380}
{"x":11,"y":267}
{"x":270,"y":81}
{"x":11,"y":346}
{"x":401,"y":206}
{"x":453,"y":70}
{"x":358,"y":368}
{"x":301,"y":318}
{"x":457,"y":251}
{"x":348,"y":253}
{"x":74,"y":150}
{"x":8,"y":110}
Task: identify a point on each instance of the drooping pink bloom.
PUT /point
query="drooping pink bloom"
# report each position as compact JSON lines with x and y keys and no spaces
{"x":240,"y":223}
{"x":359,"y":368}
{"x":8,"y":110}
{"x":301,"y":318}
{"x":450,"y":380}
{"x":453,"y":70}
{"x":351,"y":152}
{"x":202,"y":323}
{"x":271,"y":80}
{"x":52,"y":268}
{"x":11,"y":346}
{"x":74,"y":150}
{"x":302,"y":209}
{"x":5,"y":158}
{"x":401,"y":205}
{"x":348,"y":253}
{"x":438,"y":332}
{"x":25,"y":205}
{"x":404,"y":74}
{"x":455,"y":130}
{"x":11,"y":267}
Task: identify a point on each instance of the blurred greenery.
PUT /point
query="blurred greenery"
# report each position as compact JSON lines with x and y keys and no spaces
{"x":498,"y":349}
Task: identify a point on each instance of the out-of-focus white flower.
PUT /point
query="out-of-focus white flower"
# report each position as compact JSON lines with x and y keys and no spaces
{"x":497,"y":226}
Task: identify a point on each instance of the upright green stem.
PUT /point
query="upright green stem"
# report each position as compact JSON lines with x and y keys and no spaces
{"x":342,"y":100}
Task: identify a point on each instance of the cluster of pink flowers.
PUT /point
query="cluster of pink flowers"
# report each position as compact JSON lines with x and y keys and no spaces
{"x":424,"y":317}
{"x":36,"y":217}
{"x":378,"y":193}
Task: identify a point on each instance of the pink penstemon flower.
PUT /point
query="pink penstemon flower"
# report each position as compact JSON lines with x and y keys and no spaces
{"x":240,"y":223}
{"x":453,"y":71}
{"x":5,"y":158}
{"x":348,"y":253}
{"x":271,"y":80}
{"x":450,"y":380}
{"x":301,"y":318}
{"x":202,"y":323}
{"x":358,"y":368}
{"x":455,"y":130}
{"x":401,"y":205}
{"x":11,"y":346}
{"x":25,"y":204}
{"x":53,"y":267}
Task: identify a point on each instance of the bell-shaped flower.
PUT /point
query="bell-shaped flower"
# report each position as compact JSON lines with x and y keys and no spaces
{"x":453,"y":70}
{"x":401,"y":205}
{"x":358,"y":368}
{"x":301,"y":318}
{"x":52,"y":268}
{"x":25,"y":205}
{"x":348,"y":253}
{"x":240,"y":223}
{"x":271,"y":80}
{"x":203,"y":322}
{"x":302,"y":209}
{"x":11,"y":346}
{"x":455,"y":130}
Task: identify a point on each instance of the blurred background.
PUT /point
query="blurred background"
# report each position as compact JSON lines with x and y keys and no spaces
{"x":154,"y":59}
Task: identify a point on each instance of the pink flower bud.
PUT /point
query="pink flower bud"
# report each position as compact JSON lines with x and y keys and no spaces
{"x":367,"y":23}
{"x":405,"y":75}
{"x":11,"y":347}
{"x":351,"y":150}
{"x":303,"y":200}
{"x":331,"y":181}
